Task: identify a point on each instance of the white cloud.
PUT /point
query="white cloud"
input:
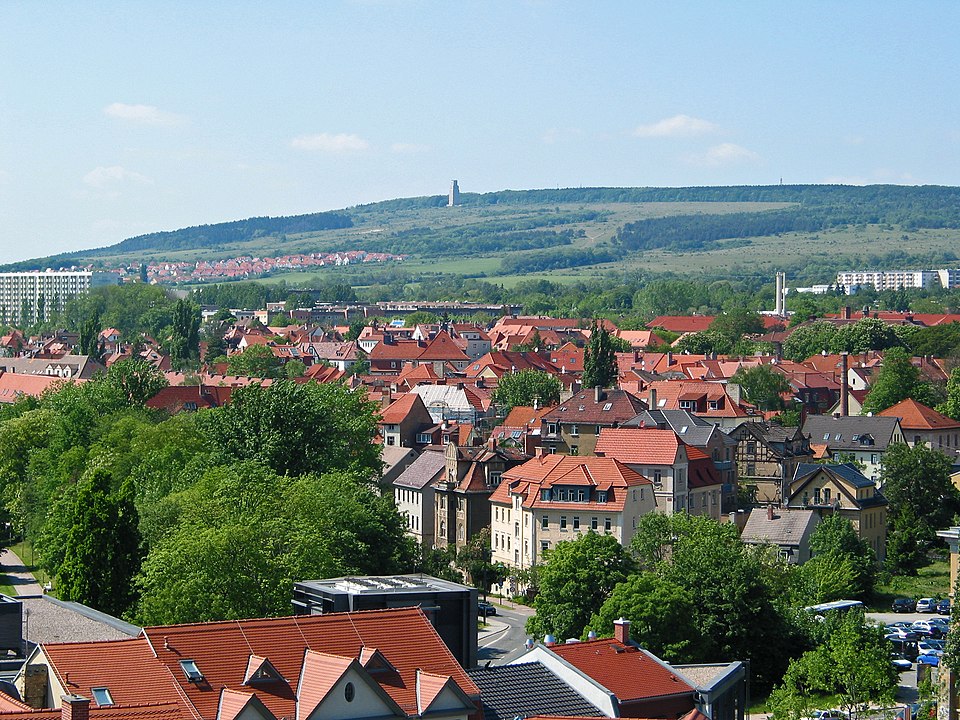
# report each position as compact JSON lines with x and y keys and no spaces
{"x":325,"y":142}
{"x":676,"y":126}
{"x":112,"y":176}
{"x":143,"y":114}
{"x":724,"y":154}
{"x":408,"y":148}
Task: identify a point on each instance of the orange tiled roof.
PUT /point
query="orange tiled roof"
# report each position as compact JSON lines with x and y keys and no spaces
{"x":397,"y":411}
{"x":916,"y":416}
{"x":639,"y":446}
{"x":627,"y":671}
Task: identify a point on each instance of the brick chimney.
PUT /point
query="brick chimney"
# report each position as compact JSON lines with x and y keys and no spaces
{"x":845,"y":312}
{"x":770,"y":515}
{"x":652,"y":403}
{"x":74,"y":707}
{"x":621,"y":631}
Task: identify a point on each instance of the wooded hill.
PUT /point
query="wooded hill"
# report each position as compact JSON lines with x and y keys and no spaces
{"x":523,"y":231}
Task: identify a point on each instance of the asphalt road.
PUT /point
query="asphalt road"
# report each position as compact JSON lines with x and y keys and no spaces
{"x":504,"y":637}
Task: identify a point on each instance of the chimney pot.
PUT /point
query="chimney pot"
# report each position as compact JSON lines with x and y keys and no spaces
{"x":621,"y":631}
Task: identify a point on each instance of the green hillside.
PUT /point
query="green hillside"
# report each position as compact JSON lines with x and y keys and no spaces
{"x":810,"y":230}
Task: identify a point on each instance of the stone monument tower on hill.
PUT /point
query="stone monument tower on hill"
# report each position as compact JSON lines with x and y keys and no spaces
{"x":454,"y":197}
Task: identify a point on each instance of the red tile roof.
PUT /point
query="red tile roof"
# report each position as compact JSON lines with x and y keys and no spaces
{"x":614,"y":406}
{"x":13,"y":386}
{"x":547,"y":470}
{"x":627,"y":671}
{"x":916,"y":416}
{"x":147,"y":670}
{"x":398,"y":410}
{"x":640,"y":446}
{"x":682,"y":323}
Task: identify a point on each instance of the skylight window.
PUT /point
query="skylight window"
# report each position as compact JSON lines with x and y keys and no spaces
{"x":683,"y":429}
{"x":101,"y":696}
{"x":191,"y":670}
{"x":608,"y":406}
{"x":826,"y":436}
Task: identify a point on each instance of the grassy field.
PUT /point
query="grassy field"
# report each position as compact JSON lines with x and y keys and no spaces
{"x":931,"y":581}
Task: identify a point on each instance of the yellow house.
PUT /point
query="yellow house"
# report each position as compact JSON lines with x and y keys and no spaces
{"x":842,"y":489}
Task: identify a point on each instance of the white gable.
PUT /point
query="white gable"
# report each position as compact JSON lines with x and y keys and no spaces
{"x":366,"y":702}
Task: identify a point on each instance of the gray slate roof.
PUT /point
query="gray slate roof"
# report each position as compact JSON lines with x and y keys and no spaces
{"x":787,"y":527}
{"x":48,"y":620}
{"x":845,"y":470}
{"x":838,"y":433}
{"x":422,"y":470}
{"x":697,"y":431}
{"x":526,"y":690}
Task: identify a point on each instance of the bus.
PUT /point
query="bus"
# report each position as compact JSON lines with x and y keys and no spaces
{"x":837,"y":606}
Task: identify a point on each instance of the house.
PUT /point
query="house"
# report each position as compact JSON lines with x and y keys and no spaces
{"x":403,"y":420}
{"x":395,"y":461}
{"x":520,"y":429}
{"x":473,"y":339}
{"x":189,"y":398}
{"x":66,"y":367}
{"x":842,"y":489}
{"x":462,"y":494}
{"x":786,"y":529}
{"x":922,"y":425}
{"x":14,"y":386}
{"x":767,"y":455}
{"x":387,"y":663}
{"x":640,"y":339}
{"x":461,"y":402}
{"x":572,"y":428}
{"x":341,"y":355}
{"x":625,"y":680}
{"x":658,"y":455}
{"x":714,"y":401}
{"x":860,"y":438}
{"x":413,"y":494}
{"x":558,"y":497}
{"x":621,"y":679}
{"x":702,"y":434}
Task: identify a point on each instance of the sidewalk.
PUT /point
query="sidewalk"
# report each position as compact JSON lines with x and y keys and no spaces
{"x":17,"y":575}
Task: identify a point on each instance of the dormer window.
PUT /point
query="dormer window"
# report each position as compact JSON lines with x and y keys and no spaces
{"x":191,"y":670}
{"x":601,"y":496}
{"x":101,"y":696}
{"x":545,"y":495}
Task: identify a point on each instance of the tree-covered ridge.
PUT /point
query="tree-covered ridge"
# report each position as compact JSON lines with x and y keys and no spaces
{"x":202,"y":236}
{"x":910,"y":208}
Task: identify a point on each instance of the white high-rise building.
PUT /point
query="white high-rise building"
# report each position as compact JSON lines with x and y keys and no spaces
{"x":26,"y":297}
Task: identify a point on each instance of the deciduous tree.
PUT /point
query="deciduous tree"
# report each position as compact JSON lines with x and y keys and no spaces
{"x":525,"y":386}
{"x":762,"y":386}
{"x":576,"y":580}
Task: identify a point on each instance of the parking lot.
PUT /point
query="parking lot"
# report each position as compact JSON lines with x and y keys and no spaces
{"x":907,"y":692}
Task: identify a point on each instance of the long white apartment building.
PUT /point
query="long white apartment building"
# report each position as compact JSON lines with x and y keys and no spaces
{"x":898,"y":279}
{"x":26,"y":297}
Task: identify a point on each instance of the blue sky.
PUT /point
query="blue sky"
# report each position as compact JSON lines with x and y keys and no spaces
{"x":121,"y":118}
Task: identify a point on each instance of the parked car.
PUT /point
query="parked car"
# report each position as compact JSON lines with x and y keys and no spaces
{"x":904,"y":605}
{"x":900,"y":633}
{"x":930,"y":647}
{"x":828,"y":715}
{"x":943,"y":607}
{"x":926,"y":605}
{"x":927,"y":628}
{"x":901,"y":664}
{"x":485,"y":609}
{"x":900,"y":624}
{"x":933,"y":660}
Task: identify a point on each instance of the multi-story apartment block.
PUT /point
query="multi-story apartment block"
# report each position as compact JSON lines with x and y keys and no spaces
{"x":899,"y":279}
{"x":26,"y":297}
{"x":559,"y":497}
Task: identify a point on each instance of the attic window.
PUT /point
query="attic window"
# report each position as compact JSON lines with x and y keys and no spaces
{"x":101,"y":696}
{"x":826,"y":436}
{"x":837,"y":438}
{"x":855,"y":438}
{"x":683,"y":429}
{"x":608,"y":406}
{"x":191,"y":670}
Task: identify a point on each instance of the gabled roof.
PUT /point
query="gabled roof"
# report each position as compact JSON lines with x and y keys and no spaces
{"x":422,"y":471}
{"x":639,"y":446}
{"x":399,"y":409}
{"x":234,"y":702}
{"x":917,"y":416}
{"x":14,"y":386}
{"x":787,"y":527}
{"x":526,"y":690}
{"x":851,"y":432}
{"x":682,"y":323}
{"x":846,"y":471}
{"x":443,"y":347}
{"x":627,"y":671}
{"x":614,"y":406}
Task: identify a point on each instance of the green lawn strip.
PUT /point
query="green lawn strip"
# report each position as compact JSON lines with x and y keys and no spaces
{"x":24,"y":551}
{"x":931,"y":581}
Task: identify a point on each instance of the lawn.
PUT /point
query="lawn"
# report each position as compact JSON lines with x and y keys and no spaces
{"x":931,"y":581}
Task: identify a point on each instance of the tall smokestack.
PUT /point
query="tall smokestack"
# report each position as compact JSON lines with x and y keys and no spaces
{"x":778,"y":308}
{"x":844,"y":387}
